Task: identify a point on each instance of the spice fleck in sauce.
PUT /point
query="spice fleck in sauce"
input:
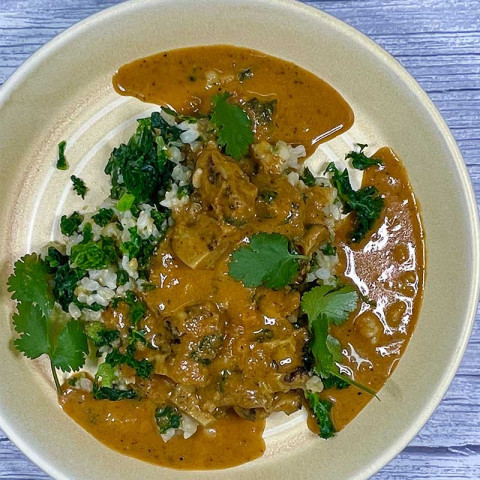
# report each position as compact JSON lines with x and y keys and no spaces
{"x":386,"y":267}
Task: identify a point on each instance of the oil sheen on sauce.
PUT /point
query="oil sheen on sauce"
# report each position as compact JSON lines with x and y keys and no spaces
{"x":387,"y":267}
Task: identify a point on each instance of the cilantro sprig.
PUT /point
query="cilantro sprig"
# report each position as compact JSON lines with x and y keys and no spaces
{"x":234,"y":127}
{"x":31,"y":286}
{"x":267,"y":260}
{"x":323,"y":306}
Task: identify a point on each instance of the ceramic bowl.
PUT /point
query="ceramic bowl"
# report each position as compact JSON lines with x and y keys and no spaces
{"x":64,"y":91}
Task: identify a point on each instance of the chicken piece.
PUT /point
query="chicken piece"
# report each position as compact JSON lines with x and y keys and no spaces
{"x":198,"y":332}
{"x":315,"y":236}
{"x":316,"y":198}
{"x":279,"y":206}
{"x":187,"y":400}
{"x":277,"y":303}
{"x":201,"y":244}
{"x":225,"y":188}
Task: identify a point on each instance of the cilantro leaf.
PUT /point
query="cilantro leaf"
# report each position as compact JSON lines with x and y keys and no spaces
{"x":324,"y":362}
{"x":234,"y":127}
{"x":32,"y":283}
{"x":32,"y":325}
{"x":69,"y":353}
{"x":62,"y":163}
{"x":321,"y":409}
{"x":366,"y":203}
{"x":335,"y":303}
{"x":266,"y":261}
{"x":360,"y":161}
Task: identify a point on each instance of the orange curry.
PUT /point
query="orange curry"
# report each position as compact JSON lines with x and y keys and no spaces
{"x":250,"y":363}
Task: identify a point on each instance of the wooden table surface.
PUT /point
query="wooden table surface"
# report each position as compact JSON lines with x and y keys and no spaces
{"x":438,"y":41}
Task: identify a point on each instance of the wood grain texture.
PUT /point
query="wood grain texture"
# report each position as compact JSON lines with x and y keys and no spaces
{"x":438,"y":41}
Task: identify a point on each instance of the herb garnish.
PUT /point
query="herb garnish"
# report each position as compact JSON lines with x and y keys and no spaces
{"x":360,"y":161}
{"x":167,"y":418}
{"x":321,"y":409}
{"x":307,"y":178}
{"x":366,"y":203}
{"x":62,"y":163}
{"x":79,"y":186}
{"x":234,"y":127}
{"x":267,"y":260}
{"x":41,"y":333}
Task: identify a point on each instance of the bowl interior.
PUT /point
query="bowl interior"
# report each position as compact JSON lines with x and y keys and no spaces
{"x":65,"y":92}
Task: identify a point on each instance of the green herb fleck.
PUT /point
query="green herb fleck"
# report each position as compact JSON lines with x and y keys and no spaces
{"x":79,"y":186}
{"x":360,"y":161}
{"x":167,"y":418}
{"x":62,"y":163}
{"x":69,"y":225}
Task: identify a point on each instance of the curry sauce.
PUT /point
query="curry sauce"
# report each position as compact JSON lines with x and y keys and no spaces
{"x":225,"y":354}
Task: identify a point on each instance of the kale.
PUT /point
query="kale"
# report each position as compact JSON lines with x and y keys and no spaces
{"x":110,"y":393}
{"x":141,"y":167}
{"x":167,"y":418}
{"x":142,"y":367}
{"x":87,"y":233}
{"x":184,"y":190}
{"x":139,"y":248}
{"x":54,"y":259}
{"x":79,"y":186}
{"x":99,"y":335}
{"x":103,"y":217}
{"x":65,"y":282}
{"x":159,"y":219}
{"x":94,"y":255}
{"x":360,"y":161}
{"x":321,"y":409}
{"x":62,"y":163}
{"x":366,"y":203}
{"x":262,"y":111}
{"x":69,"y":225}
{"x":122,"y":277}
{"x":307,"y":178}
{"x":329,"y":250}
{"x":169,"y":133}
